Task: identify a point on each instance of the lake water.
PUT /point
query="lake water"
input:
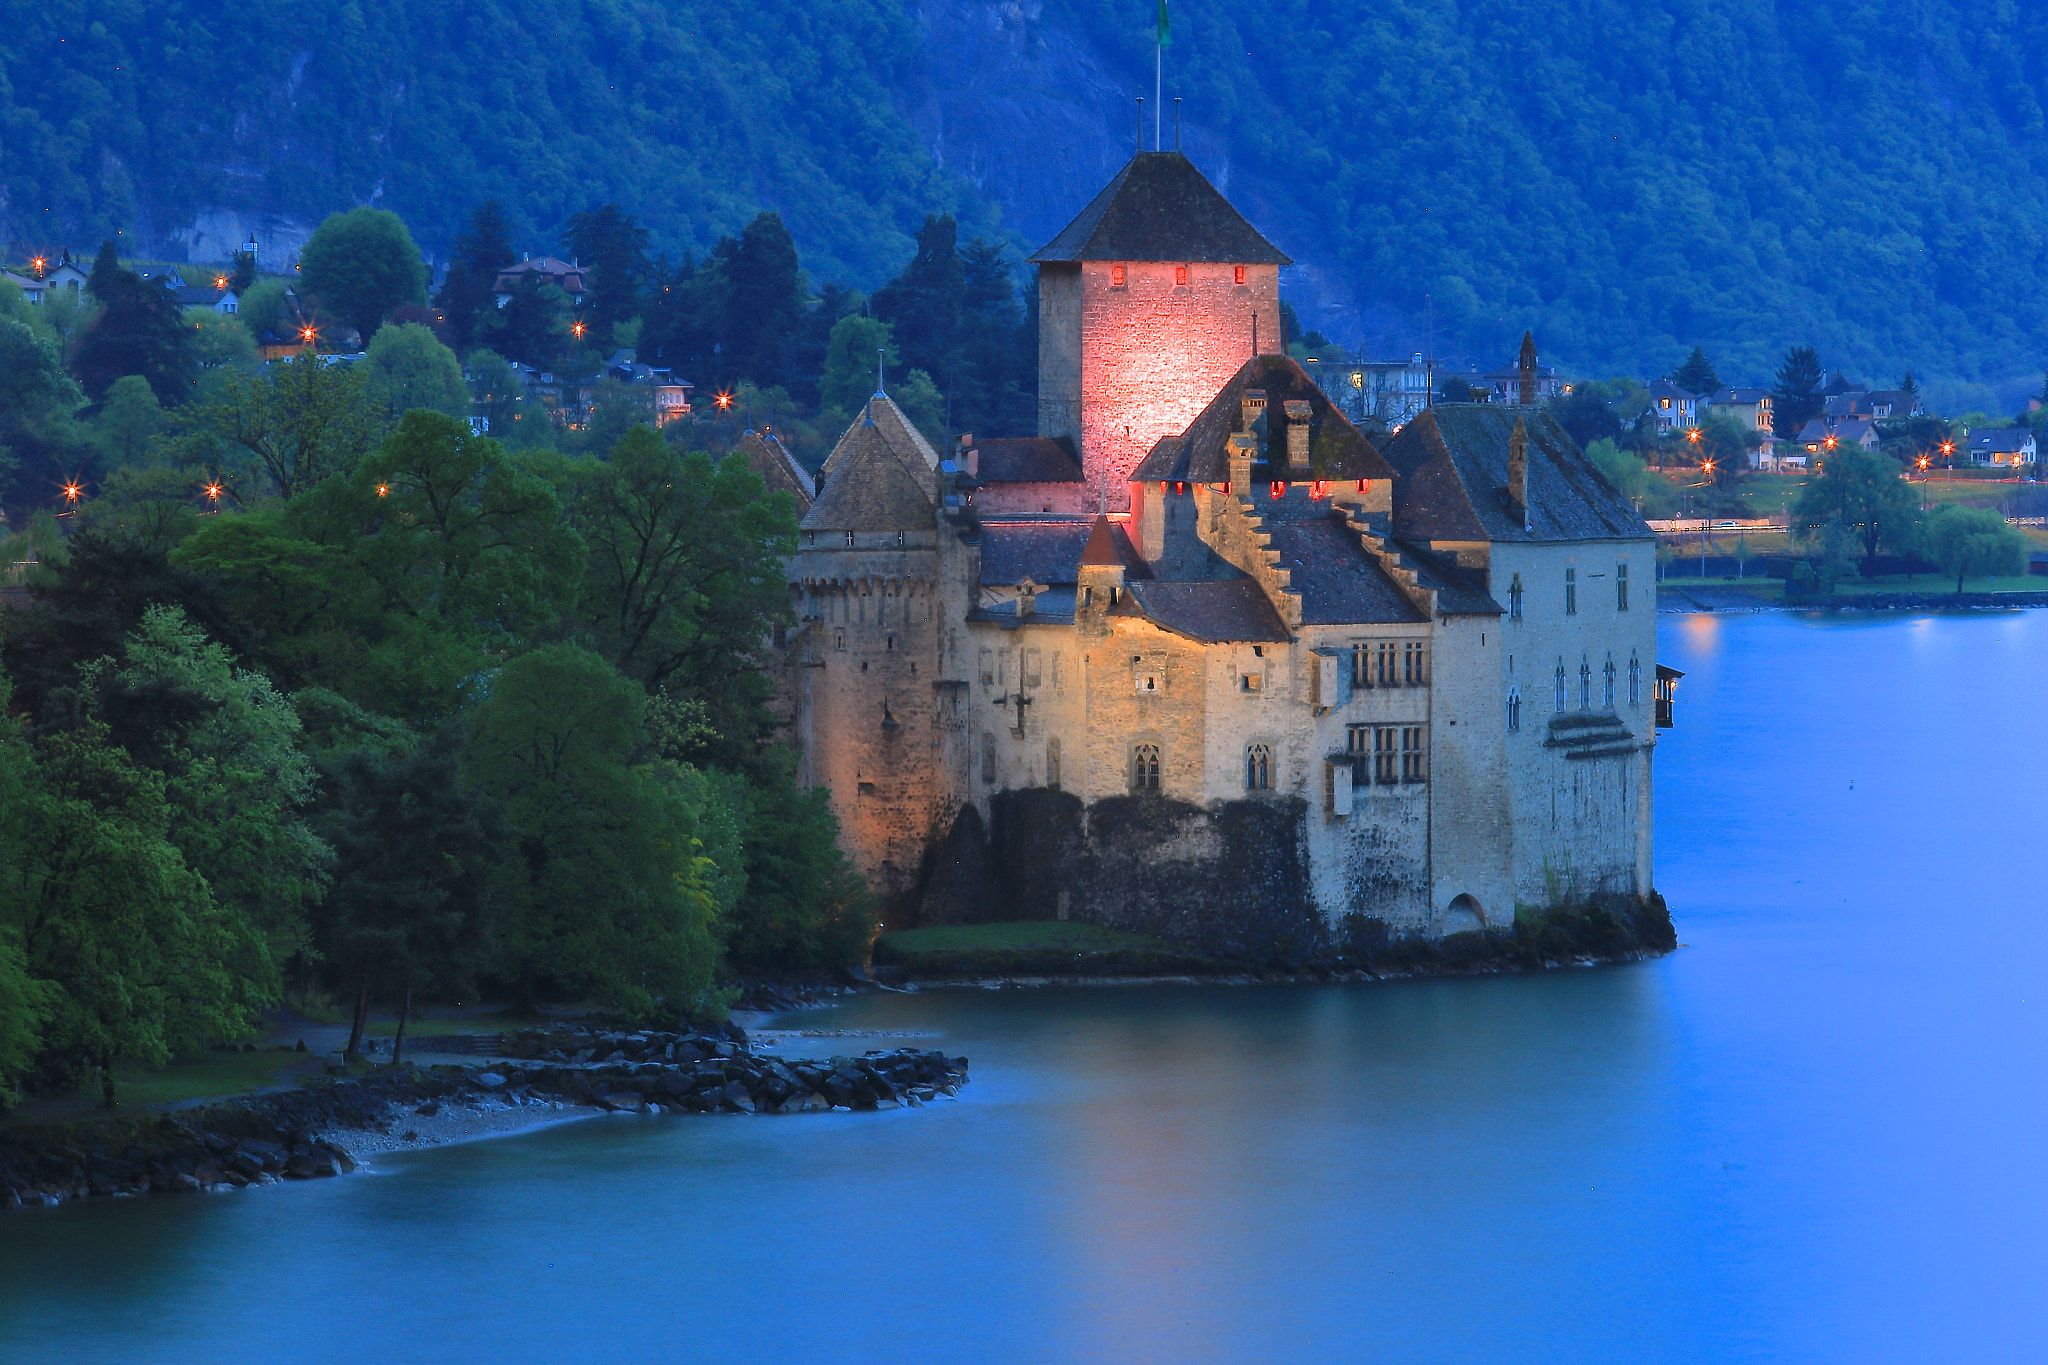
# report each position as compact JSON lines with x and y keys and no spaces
{"x":1814,"y":1134}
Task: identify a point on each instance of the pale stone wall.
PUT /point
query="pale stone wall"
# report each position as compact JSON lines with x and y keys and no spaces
{"x":1059,"y":352}
{"x":1579,"y":828}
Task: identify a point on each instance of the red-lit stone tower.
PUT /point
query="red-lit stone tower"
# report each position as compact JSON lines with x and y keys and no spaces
{"x":1149,"y":301}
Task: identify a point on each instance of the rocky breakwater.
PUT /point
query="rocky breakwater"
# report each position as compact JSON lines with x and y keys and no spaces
{"x":699,"y":1074}
{"x":306,"y":1133}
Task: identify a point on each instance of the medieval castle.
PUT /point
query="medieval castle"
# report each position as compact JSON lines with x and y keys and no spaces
{"x":1202,"y":660}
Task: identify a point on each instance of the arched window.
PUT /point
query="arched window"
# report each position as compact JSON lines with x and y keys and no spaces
{"x":1144,"y":768}
{"x":1514,"y":708}
{"x":1560,"y":685}
{"x":1585,"y":684}
{"x":1258,"y":768}
{"x":1607,"y":684}
{"x":1515,"y":598}
{"x":1635,"y":680}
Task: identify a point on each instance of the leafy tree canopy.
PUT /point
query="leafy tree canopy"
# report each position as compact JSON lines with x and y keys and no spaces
{"x":361,"y":265}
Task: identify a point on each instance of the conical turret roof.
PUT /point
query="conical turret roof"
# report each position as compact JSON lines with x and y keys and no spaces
{"x":1160,"y":208}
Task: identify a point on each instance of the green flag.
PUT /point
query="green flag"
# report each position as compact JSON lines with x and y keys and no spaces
{"x":1165,"y":29}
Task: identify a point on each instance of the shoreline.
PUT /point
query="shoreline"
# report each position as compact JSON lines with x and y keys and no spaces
{"x":1721,"y":600}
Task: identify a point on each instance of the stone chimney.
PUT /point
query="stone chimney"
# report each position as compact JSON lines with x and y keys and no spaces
{"x":1297,"y":410}
{"x":1250,"y":404}
{"x":1518,"y":470}
{"x":970,"y":456}
{"x":1244,"y":448}
{"x":1526,"y":368}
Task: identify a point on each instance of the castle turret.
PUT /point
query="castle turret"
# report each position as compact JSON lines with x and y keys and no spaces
{"x":1101,"y":575}
{"x":1149,"y":301}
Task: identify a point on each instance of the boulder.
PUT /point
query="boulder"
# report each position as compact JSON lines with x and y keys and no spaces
{"x":490,"y":1080}
{"x":311,"y":1166}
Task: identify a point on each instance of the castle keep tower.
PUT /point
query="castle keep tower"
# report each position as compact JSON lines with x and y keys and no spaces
{"x":1149,"y":301}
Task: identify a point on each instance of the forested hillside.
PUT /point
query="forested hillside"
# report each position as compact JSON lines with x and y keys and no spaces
{"x":1628,"y":177}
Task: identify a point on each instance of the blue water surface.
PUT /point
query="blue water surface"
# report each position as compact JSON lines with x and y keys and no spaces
{"x":1814,"y":1134}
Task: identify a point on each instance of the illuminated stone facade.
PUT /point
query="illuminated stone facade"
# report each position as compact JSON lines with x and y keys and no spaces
{"x":1293,"y":683}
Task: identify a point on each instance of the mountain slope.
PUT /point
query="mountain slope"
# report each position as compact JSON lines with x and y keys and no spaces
{"x":1628,"y":177}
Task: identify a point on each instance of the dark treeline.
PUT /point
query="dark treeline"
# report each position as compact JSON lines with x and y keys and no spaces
{"x":411,"y":715}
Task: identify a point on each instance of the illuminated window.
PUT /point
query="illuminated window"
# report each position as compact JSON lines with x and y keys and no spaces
{"x":1180,"y":277}
{"x":1144,"y":768}
{"x":1240,"y":275}
{"x":1116,"y":277}
{"x":1258,"y":768}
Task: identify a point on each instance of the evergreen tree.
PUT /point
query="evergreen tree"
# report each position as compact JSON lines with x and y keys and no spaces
{"x":467,"y":299}
{"x":1796,"y":397}
{"x":1697,"y":375}
{"x":140,"y":329}
{"x":612,"y":244}
{"x":243,"y":273}
{"x":763,"y":301}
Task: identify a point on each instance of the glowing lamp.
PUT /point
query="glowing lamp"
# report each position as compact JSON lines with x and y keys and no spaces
{"x":1830,"y":443}
{"x":213,"y":491}
{"x":1279,"y":489}
{"x":1180,"y":489}
{"x":383,"y":489}
{"x":577,"y":329}
{"x":220,"y":281}
{"x":1693,"y":436}
{"x":724,"y":400}
{"x":1362,"y":483}
{"x":38,"y":264}
{"x":71,"y":492}
{"x":1320,"y":488}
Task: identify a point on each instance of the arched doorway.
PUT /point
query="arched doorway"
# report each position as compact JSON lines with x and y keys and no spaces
{"x":1463,"y":916}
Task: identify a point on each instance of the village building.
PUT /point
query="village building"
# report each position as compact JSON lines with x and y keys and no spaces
{"x":2009,"y":447}
{"x":1200,"y":658}
{"x":1676,"y":409}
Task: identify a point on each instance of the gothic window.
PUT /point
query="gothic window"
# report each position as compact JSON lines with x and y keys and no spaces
{"x":1413,"y":671}
{"x":1585,"y":684}
{"x":1384,"y":755}
{"x":1514,"y":708}
{"x":1560,"y":685}
{"x":1621,"y":587}
{"x":1144,"y":768}
{"x":1635,"y":681}
{"x":1412,"y":753}
{"x":988,"y":758}
{"x":1515,"y":598}
{"x":1258,"y":768}
{"x":1607,"y":684}
{"x":1052,"y":763}
{"x":1571,"y":592}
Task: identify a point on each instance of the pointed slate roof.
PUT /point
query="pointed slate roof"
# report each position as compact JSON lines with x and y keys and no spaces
{"x":1160,"y":208}
{"x":1336,"y":449}
{"x":882,"y":476}
{"x":1453,"y":463}
{"x":767,"y":456}
{"x":1101,"y":547}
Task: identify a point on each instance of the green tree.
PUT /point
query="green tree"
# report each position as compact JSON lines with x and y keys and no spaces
{"x":496,"y":391}
{"x":264,"y":309}
{"x":292,"y":425}
{"x":1862,"y":491}
{"x":1585,"y":415}
{"x":243,"y":272}
{"x":624,"y":866}
{"x":1629,"y":475}
{"x":685,"y":574}
{"x":128,"y":422}
{"x":227,"y":744}
{"x":147,"y":508}
{"x":764,"y":297}
{"x":218,"y":339}
{"x":1697,"y":374}
{"x":139,"y":329}
{"x":805,"y":906}
{"x":856,"y":344}
{"x":1725,"y":443}
{"x":1796,"y":397}
{"x":613,"y":244}
{"x":1973,"y":542}
{"x":39,"y":435}
{"x":408,"y":368}
{"x":467,"y":298}
{"x":924,"y":405}
{"x":134,"y":957}
{"x":362,"y":264}
{"x":410,"y":907}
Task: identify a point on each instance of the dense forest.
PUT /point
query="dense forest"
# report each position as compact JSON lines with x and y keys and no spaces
{"x":1630,"y":179}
